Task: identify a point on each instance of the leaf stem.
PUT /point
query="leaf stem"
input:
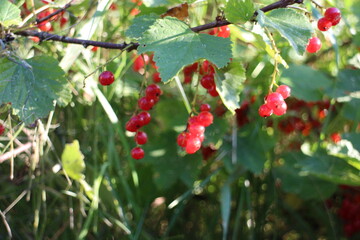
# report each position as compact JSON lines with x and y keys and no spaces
{"x":276,"y":62}
{"x":182,"y":92}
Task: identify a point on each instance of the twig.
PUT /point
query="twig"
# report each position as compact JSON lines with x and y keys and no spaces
{"x":45,"y":36}
{"x":15,"y":152}
{"x":38,"y":21}
{"x":8,"y":229}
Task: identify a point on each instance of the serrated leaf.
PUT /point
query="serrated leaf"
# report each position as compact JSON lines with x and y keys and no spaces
{"x":175,"y":45}
{"x":230,"y":88}
{"x":293,"y":26}
{"x":9,"y":14}
{"x":140,"y":25}
{"x":239,"y":10}
{"x":306,"y":83}
{"x":31,"y":86}
{"x":73,"y":160}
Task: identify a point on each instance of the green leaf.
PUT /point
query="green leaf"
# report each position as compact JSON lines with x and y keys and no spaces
{"x":140,"y":25}
{"x":330,"y":168}
{"x":9,"y":14}
{"x":155,"y":3}
{"x":348,"y":82}
{"x":32,"y":85}
{"x":230,"y":88}
{"x":239,"y":10}
{"x":306,"y":83}
{"x":73,"y":160}
{"x":307,"y":187}
{"x":170,"y":35}
{"x":292,"y":25}
{"x":350,"y":110}
{"x":225,"y":200}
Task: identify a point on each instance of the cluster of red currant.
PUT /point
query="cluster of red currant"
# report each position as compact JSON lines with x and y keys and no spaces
{"x":331,"y":18}
{"x":193,"y":136}
{"x":349,"y":210}
{"x":274,"y":102}
{"x":146,"y":103}
{"x":141,"y":61}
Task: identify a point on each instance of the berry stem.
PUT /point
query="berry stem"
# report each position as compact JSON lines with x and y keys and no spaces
{"x":318,"y":5}
{"x":276,"y":62}
{"x":193,"y":103}
{"x":11,"y":149}
{"x":182,"y":92}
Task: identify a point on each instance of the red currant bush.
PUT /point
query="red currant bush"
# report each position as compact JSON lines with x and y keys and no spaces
{"x":106,"y":78}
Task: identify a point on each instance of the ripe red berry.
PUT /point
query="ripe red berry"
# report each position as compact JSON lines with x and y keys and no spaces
{"x":182,"y":139}
{"x":196,"y":129}
{"x":284,"y":91}
{"x":141,"y":137}
{"x":265,"y":111}
{"x":206,"y":68}
{"x":280,"y":109}
{"x":106,"y":78}
{"x":333,"y":15}
{"x":207,"y":81}
{"x":156,"y":77}
{"x":137,"y":153}
{"x":140,"y":62}
{"x":213,"y":92}
{"x":324,"y":24}
{"x":274,"y":99}
{"x":152,"y":91}
{"x":224,"y":32}
{"x":193,"y":120}
{"x":335,"y":137}
{"x":314,"y":45}
{"x":193,"y":144}
{"x":45,"y":26}
{"x":205,"y":118}
{"x":144,"y":118}
{"x":133,"y":124}
{"x":146,"y":103}
{"x":187,"y":79}
{"x":205,"y":107}
{"x":2,"y":129}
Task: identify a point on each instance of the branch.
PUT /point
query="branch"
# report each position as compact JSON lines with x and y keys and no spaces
{"x":38,"y":21}
{"x":45,"y":36}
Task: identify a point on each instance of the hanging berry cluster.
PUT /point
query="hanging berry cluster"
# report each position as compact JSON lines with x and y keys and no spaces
{"x":331,"y":18}
{"x":146,"y":103}
{"x":349,"y":211}
{"x":274,"y":102}
{"x":192,"y":138}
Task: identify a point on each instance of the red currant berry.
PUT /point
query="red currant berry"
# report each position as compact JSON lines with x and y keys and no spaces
{"x":213,"y":92}
{"x":141,"y":137}
{"x":2,"y":129}
{"x":182,"y":139}
{"x":205,"y":107}
{"x":274,"y":99}
{"x":139,"y":62}
{"x":133,"y":124}
{"x":94,"y":49}
{"x":45,"y":26}
{"x":193,"y":120}
{"x":137,"y":153}
{"x":280,"y":109}
{"x":324,"y":24}
{"x":265,"y":111}
{"x":187,"y":79}
{"x":314,"y":45}
{"x":144,"y":118}
{"x":333,"y":15}
{"x":205,"y":118}
{"x":106,"y":78}
{"x":224,"y":32}
{"x":335,"y":137}
{"x":156,"y":77}
{"x":193,"y":144}
{"x":153,"y":91}
{"x":206,"y":68}
{"x":146,"y":103}
{"x":284,"y":91}
{"x":336,"y":22}
{"x":196,"y":129}
{"x":207,"y":81}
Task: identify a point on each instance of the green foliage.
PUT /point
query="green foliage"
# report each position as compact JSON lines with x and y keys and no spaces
{"x":230,"y":87}
{"x":172,"y":35}
{"x":9,"y":14}
{"x":73,"y":160}
{"x":306,"y":83}
{"x":140,"y":25}
{"x":239,"y":10}
{"x":32,"y":86}
{"x":293,"y":26}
